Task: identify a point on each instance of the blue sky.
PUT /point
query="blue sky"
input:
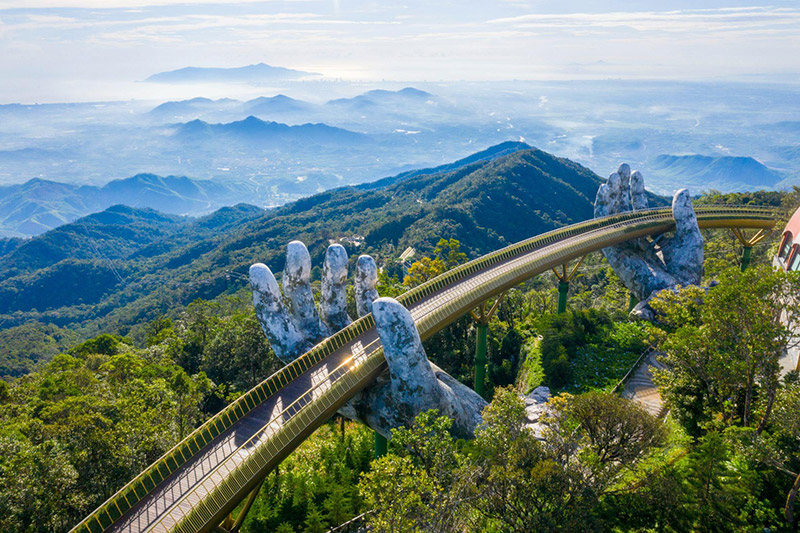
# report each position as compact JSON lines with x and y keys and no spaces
{"x":49,"y":45}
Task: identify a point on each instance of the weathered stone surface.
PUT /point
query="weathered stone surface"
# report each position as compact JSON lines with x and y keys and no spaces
{"x":683,"y":255}
{"x":646,"y":267}
{"x":412,"y":385}
{"x":296,"y":287}
{"x":366,"y":281}
{"x":280,"y":329}
{"x":333,"y":298}
{"x":536,"y":410}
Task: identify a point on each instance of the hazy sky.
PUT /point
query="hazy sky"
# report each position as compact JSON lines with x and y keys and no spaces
{"x":52,"y":49}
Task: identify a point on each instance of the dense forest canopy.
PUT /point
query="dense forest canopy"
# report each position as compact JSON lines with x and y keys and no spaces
{"x":97,"y":391}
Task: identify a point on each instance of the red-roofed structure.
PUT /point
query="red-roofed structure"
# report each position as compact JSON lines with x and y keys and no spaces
{"x":789,"y":250}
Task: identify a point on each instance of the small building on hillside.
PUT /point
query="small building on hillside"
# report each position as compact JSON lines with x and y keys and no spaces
{"x":788,"y":257}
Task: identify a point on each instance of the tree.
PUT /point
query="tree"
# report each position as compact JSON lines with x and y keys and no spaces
{"x":338,"y":506}
{"x":786,"y":422}
{"x":315,"y":522}
{"x":522,"y":486}
{"x":237,"y":353}
{"x":449,"y":251}
{"x":608,"y":433}
{"x":423,"y":270}
{"x":446,"y":255}
{"x":725,"y":346}
{"x":189,"y":391}
{"x":420,"y":486}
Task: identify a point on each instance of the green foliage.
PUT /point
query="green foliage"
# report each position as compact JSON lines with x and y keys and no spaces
{"x":74,"y":432}
{"x":222,"y":339}
{"x":415,"y":487}
{"x":722,"y":354}
{"x":603,"y":361}
{"x":103,"y":344}
{"x":506,"y":479}
{"x":23,"y":347}
{"x":446,"y":255}
{"x":64,"y":277}
{"x":531,"y":372}
{"x":584,"y":350}
{"x":315,"y":486}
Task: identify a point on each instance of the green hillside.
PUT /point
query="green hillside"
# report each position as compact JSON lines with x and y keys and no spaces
{"x":123,"y":267}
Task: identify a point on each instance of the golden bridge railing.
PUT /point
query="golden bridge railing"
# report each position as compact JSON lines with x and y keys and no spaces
{"x":597,"y":233}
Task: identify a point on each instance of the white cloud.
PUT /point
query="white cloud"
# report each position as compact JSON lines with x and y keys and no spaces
{"x":116,"y":4}
{"x":701,"y":20}
{"x":447,"y":39}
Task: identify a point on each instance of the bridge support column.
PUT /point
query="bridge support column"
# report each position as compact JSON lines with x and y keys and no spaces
{"x":746,"y":257}
{"x":748,"y":243}
{"x":480,"y":357}
{"x":563,"y":289}
{"x":381,"y":445}
{"x":482,"y":318}
{"x":229,"y":525}
{"x":564,"y":277}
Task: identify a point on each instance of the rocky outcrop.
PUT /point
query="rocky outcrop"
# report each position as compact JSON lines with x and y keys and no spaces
{"x":536,"y":410}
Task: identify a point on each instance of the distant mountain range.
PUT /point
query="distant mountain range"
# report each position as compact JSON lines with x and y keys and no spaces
{"x":724,"y":173}
{"x":382,"y":97}
{"x":250,"y":74}
{"x":39,"y":205}
{"x":281,"y":105}
{"x":123,"y":267}
{"x":266,"y":133}
{"x":276,"y":105}
{"x":192,"y":107}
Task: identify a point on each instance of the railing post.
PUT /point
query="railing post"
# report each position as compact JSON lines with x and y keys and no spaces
{"x":381,"y":445}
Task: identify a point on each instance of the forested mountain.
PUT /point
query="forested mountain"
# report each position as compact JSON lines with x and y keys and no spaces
{"x":701,"y":172}
{"x":253,"y":129}
{"x":120,"y":268}
{"x":36,"y":206}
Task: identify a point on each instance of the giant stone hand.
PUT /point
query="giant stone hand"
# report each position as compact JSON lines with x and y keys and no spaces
{"x":645,"y":266}
{"x":412,"y":385}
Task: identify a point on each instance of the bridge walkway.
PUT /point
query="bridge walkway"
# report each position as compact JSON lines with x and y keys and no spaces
{"x":205,"y":476}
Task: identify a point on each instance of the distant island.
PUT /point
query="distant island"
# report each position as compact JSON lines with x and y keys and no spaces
{"x":251,"y":74}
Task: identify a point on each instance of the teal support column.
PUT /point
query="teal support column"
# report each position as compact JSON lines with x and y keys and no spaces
{"x":748,"y":243}
{"x":563,"y":289}
{"x":381,"y":445}
{"x":480,"y":358}
{"x":563,"y":278}
{"x":482,"y":318}
{"x":632,"y":301}
{"x":746,"y":257}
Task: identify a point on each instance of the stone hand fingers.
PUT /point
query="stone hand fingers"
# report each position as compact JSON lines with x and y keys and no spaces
{"x":297,"y":289}
{"x":411,"y":374}
{"x":333,"y":297}
{"x":366,"y":281}
{"x":286,"y":340}
{"x":683,"y":255}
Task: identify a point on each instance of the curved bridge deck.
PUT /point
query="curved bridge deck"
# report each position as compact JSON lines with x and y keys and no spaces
{"x":197,"y":483}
